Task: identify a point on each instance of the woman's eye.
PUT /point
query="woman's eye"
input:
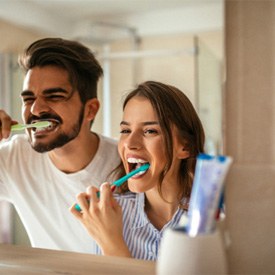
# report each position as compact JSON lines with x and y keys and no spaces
{"x":150,"y":132}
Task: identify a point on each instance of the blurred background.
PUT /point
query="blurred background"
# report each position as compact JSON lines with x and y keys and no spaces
{"x":178,"y":42}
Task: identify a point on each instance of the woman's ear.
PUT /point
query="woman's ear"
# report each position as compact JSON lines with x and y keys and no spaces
{"x":91,"y":109}
{"x":183,"y":152}
{"x":181,"y":148}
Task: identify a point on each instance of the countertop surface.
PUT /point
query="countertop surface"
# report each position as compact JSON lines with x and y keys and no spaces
{"x":27,"y":260}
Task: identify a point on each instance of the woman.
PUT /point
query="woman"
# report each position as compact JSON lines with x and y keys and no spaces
{"x":160,"y":127}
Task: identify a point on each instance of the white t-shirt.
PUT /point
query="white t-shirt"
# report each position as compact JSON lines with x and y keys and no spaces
{"x":42,"y":194}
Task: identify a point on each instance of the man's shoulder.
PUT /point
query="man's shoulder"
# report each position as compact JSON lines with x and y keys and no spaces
{"x":107,"y":140}
{"x":18,"y":149}
{"x":16,"y":141}
{"x":107,"y":153}
{"x":107,"y":146}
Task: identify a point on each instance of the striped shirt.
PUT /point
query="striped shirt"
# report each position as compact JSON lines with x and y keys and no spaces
{"x":141,"y":237}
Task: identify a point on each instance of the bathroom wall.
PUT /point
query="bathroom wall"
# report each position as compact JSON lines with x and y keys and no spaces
{"x":250,"y":135}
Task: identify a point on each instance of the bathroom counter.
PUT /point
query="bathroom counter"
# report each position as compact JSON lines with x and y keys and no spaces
{"x":27,"y":260}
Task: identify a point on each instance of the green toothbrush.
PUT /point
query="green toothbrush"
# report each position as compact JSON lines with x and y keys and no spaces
{"x":39,"y":124}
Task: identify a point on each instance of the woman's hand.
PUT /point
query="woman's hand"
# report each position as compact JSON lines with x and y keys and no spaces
{"x":102,"y":217}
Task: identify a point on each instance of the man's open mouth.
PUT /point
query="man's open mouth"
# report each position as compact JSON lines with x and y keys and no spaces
{"x":53,"y":124}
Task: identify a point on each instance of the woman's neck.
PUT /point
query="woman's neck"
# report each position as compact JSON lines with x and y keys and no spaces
{"x":158,"y":210}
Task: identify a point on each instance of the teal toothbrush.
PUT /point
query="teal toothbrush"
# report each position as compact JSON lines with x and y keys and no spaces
{"x":39,"y":124}
{"x":123,"y":179}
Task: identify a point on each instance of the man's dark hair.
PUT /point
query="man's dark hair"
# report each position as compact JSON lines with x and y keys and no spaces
{"x":78,"y":60}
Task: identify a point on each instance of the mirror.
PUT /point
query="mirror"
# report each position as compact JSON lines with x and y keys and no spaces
{"x":179,"y":42}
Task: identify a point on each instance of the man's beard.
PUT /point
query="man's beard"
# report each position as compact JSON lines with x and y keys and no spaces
{"x":62,"y":139}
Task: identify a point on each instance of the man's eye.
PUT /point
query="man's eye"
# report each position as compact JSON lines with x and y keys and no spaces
{"x":56,"y":97}
{"x":125,"y":131}
{"x":27,"y":99}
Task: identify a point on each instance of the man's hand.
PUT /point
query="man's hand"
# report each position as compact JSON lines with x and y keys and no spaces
{"x":5,"y":124}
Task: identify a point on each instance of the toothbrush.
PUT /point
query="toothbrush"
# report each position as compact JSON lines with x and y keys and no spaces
{"x":122,"y":180}
{"x":39,"y":124}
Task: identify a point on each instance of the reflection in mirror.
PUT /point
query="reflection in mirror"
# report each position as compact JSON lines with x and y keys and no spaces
{"x":180,"y":45}
{"x":209,"y":101}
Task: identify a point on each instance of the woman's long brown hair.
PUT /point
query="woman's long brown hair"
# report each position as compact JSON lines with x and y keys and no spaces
{"x":173,"y":108}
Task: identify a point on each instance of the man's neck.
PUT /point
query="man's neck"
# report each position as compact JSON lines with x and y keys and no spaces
{"x":75,"y":155}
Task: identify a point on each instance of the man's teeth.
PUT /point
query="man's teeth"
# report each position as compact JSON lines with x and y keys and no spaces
{"x":48,"y":128}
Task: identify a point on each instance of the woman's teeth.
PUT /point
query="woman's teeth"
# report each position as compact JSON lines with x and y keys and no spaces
{"x":134,"y":160}
{"x":135,"y":164}
{"x":140,"y":173}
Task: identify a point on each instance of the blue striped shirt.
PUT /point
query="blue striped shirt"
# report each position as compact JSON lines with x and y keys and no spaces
{"x":141,"y":237}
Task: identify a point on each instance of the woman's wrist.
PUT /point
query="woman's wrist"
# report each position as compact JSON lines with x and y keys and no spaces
{"x":119,"y":250}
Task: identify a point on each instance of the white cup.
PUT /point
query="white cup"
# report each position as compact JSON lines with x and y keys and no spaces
{"x":182,"y":254}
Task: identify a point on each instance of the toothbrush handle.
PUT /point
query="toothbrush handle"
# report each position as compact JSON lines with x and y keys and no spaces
{"x":124,"y":178}
{"x":17,"y":127}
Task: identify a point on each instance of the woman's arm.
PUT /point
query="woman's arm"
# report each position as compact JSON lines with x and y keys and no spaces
{"x":102,"y":217}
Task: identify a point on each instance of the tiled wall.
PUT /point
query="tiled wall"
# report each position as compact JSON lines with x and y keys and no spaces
{"x":250,"y":129}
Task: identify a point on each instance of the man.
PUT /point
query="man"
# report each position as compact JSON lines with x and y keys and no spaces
{"x":41,"y":172}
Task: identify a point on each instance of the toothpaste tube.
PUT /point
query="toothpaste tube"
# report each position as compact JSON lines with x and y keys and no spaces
{"x":206,"y":193}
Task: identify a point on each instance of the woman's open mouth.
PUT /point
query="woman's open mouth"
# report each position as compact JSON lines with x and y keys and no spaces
{"x":134,"y":163}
